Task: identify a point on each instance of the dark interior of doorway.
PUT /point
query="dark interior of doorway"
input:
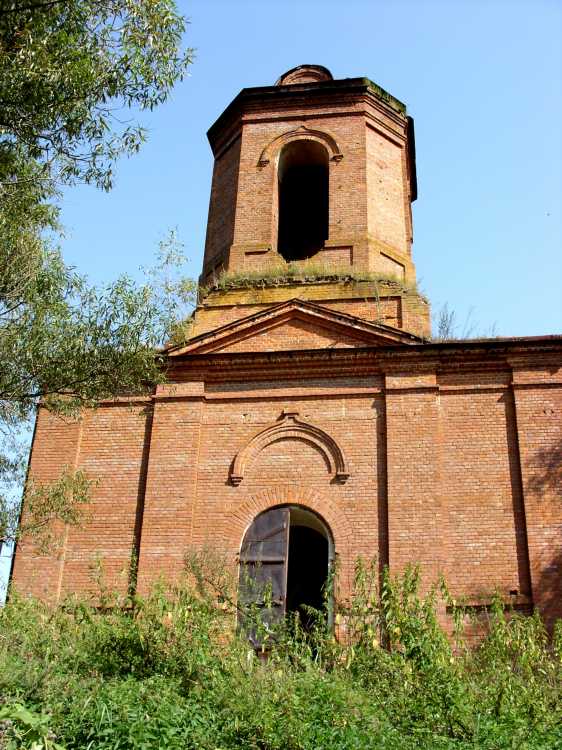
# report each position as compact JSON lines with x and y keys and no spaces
{"x":307,"y":572}
{"x":303,"y":200}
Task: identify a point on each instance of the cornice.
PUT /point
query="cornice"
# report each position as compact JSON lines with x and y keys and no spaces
{"x":361,"y":330}
{"x":484,"y":356}
{"x":474,"y":356}
{"x":307,"y":94}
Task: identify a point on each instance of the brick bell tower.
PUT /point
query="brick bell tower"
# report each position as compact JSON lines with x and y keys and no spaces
{"x":311,"y":197}
{"x":307,"y":417}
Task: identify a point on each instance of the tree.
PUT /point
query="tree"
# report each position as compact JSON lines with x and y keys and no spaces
{"x":449,"y":328}
{"x":70,"y":71}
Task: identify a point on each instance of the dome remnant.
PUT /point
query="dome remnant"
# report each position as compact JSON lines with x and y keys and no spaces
{"x":305,"y":74}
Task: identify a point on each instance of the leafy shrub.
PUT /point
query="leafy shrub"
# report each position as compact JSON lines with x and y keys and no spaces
{"x":170,"y":671}
{"x":20,"y":727}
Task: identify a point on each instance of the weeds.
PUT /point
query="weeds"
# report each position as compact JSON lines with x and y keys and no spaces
{"x":450,"y":328}
{"x":171,"y":671}
{"x":284,"y":274}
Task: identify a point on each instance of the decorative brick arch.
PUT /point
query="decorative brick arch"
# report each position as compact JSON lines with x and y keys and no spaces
{"x":299,"y":134}
{"x":240,"y":520}
{"x":289,"y":427}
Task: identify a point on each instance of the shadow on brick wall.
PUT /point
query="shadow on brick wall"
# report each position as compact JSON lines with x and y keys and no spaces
{"x":547,"y":480}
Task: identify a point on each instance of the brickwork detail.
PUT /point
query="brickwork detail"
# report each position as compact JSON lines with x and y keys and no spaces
{"x":286,"y":428}
{"x":323,"y":394}
{"x":301,"y":133}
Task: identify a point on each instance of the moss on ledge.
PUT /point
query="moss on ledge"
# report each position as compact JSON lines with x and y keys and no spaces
{"x":301,"y":273}
{"x":392,"y":101}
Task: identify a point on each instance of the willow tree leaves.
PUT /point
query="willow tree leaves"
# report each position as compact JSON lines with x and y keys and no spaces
{"x":75,"y":76}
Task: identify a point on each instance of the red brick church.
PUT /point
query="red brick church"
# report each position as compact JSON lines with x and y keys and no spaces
{"x":309,"y":416}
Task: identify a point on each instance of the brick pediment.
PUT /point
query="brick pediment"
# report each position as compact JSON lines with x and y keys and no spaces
{"x":294,"y":325}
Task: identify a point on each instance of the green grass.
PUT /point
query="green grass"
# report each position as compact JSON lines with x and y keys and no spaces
{"x":167,"y":671}
{"x":302,"y":272}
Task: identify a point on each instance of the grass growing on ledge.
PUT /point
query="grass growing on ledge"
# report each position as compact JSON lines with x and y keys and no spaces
{"x":302,"y":273}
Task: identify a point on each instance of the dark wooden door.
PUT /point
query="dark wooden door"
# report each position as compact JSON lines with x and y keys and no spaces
{"x":263,"y":573}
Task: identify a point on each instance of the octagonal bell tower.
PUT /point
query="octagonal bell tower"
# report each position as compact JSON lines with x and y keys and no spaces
{"x":313,"y":174}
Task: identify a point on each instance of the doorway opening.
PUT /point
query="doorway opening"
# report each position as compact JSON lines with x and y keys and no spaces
{"x":285,"y":563}
{"x":303,"y":177}
{"x":308,"y":565}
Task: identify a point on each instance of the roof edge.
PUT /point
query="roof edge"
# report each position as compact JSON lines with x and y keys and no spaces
{"x":320,"y":88}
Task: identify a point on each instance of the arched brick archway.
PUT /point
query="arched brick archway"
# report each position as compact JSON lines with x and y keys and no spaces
{"x":322,"y":137}
{"x":239,"y":521}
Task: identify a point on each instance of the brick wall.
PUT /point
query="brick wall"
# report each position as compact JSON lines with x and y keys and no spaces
{"x":453,"y":467}
{"x":369,"y":179}
{"x":114,"y":450}
{"x":110,"y":445}
{"x":537,"y":414}
{"x":387,"y":190}
{"x":451,"y":452}
{"x":222,"y":207}
{"x":55,"y":447}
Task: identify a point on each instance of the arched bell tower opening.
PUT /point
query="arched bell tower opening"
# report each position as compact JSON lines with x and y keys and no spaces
{"x":285,"y":562}
{"x":303,"y":194}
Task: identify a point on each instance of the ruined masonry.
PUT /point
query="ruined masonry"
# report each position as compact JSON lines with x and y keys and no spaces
{"x":309,"y":418}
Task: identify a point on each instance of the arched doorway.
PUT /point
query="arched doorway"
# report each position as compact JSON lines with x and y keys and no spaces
{"x":303,"y":177}
{"x":285,"y":560}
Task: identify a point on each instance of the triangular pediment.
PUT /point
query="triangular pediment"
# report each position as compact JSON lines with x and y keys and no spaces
{"x":294,"y":325}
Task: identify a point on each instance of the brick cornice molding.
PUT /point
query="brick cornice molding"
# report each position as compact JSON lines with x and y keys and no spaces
{"x":349,"y":93}
{"x":546,"y":372}
{"x":446,"y":354}
{"x":288,"y":427}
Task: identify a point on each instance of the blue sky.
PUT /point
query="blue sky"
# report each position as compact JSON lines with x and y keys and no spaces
{"x":483,"y":81}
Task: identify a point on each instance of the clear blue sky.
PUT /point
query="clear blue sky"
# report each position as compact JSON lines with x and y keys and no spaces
{"x":483,"y":81}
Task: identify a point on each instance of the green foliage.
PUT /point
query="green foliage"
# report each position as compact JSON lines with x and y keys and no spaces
{"x":169,"y":671}
{"x":20,"y":727}
{"x":68,"y":69}
{"x":75,"y":76}
{"x":301,"y":272}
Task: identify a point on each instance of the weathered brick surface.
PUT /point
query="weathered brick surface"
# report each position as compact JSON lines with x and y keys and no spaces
{"x":434,"y":462}
{"x":109,"y":444}
{"x":388,"y":199}
{"x":412,"y":469}
{"x":370,"y":184}
{"x":55,"y":447}
{"x":374,"y":302}
{"x":114,"y":450}
{"x":295,"y":334}
{"x":220,"y":227}
{"x":452,"y":451}
{"x":171,"y":488}
{"x":538,"y":410}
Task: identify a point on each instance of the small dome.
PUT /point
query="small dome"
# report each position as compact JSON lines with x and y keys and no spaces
{"x":305,"y":74}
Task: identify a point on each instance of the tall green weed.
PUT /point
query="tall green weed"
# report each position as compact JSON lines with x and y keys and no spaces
{"x":171,"y":671}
